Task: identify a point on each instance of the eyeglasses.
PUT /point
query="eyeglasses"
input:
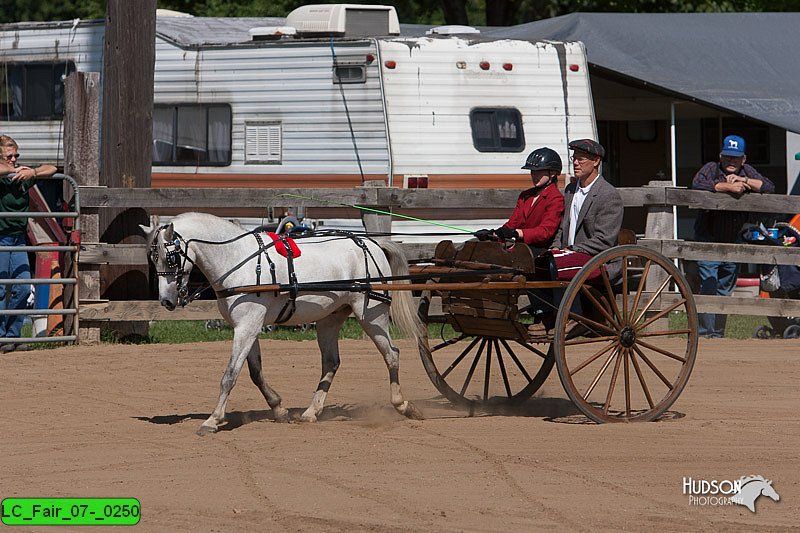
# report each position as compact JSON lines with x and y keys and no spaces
{"x":579,"y":159}
{"x":9,"y":157}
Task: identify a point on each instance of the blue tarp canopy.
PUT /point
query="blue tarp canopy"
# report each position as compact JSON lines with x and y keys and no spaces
{"x":746,"y":63}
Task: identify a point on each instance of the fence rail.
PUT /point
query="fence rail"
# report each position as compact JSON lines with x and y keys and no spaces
{"x":657,"y":199}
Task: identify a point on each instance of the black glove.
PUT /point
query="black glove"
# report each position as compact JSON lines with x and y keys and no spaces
{"x":484,"y":234}
{"x":505,"y":233}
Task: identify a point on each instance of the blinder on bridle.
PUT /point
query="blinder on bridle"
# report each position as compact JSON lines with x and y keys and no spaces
{"x":175,"y":258}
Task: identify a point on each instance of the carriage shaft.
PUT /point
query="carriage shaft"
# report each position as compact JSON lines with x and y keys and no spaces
{"x":349,"y":286}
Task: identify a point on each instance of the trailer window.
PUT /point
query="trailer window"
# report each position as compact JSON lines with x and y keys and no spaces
{"x":33,"y":91}
{"x":497,"y":130}
{"x":192,"y":134}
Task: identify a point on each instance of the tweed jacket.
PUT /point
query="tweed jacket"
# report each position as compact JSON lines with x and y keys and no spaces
{"x":599,"y":221}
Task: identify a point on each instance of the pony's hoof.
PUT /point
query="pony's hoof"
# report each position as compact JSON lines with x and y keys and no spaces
{"x":306,"y":417}
{"x":206,"y":430}
{"x":281,"y":415}
{"x":413,"y":413}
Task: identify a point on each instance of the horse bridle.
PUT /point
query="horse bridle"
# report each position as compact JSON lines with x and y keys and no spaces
{"x":175,"y":258}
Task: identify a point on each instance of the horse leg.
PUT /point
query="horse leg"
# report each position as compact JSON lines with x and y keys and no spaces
{"x":244,"y":336}
{"x":328,"y":341}
{"x":281,"y":414}
{"x":376,"y":324}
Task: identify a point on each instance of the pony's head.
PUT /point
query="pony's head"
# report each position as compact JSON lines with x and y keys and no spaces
{"x":173,"y":260}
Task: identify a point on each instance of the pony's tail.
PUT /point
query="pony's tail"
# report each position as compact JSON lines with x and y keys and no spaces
{"x":402,"y":310}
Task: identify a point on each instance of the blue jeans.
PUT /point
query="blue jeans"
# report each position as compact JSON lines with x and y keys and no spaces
{"x":13,"y":265}
{"x":717,"y":278}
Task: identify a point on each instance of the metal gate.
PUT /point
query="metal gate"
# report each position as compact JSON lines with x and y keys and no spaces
{"x":68,"y":261}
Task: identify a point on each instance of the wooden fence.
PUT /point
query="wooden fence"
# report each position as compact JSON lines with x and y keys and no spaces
{"x":658,"y":199}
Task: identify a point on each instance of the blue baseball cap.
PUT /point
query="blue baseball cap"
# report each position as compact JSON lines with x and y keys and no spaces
{"x":733,"y":146}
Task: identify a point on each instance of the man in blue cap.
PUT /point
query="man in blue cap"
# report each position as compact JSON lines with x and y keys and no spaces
{"x":730,"y":175}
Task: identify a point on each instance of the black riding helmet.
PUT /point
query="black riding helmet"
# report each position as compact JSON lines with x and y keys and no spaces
{"x":543,"y":159}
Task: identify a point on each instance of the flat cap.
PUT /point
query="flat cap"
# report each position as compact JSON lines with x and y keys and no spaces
{"x":589,"y":146}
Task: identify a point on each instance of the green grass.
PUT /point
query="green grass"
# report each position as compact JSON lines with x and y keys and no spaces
{"x":738,"y":326}
{"x":176,"y":332}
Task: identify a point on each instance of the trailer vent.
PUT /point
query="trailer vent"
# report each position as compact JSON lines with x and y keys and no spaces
{"x":263,"y":143}
{"x":344,"y":20}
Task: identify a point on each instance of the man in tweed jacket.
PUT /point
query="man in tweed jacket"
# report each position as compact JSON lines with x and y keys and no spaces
{"x":591,"y":223}
{"x":593,"y":212}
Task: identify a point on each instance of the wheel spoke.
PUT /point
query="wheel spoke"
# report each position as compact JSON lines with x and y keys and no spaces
{"x":600,"y":374}
{"x":460,"y":357}
{"x":626,"y":353}
{"x":599,"y":306}
{"x":448,"y":343}
{"x":661,"y":351}
{"x":613,"y":384}
{"x":652,"y":367}
{"x":642,"y":382}
{"x":640,"y":289}
{"x":652,"y":300}
{"x":592,"y":359}
{"x":502,"y":366}
{"x":610,"y":295}
{"x":516,"y":360}
{"x":624,"y":289}
{"x":472,"y":366}
{"x":590,"y":340}
{"x":590,"y":324}
{"x":527,"y":347}
{"x":661,"y":314}
{"x":488,"y":373}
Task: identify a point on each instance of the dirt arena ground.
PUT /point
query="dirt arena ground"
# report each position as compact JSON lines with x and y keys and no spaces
{"x":120,"y":421}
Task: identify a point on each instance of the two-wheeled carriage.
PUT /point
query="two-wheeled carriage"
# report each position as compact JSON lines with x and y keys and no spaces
{"x":624,"y":347}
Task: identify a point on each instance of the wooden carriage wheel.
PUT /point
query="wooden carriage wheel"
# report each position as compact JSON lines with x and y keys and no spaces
{"x":496,"y":367}
{"x":631,"y":346}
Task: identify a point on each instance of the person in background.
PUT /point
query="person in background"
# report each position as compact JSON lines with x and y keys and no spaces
{"x":15,"y":181}
{"x":733,"y":176}
{"x":538,"y":212}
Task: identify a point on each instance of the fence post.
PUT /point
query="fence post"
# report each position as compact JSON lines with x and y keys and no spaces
{"x":660,"y":226}
{"x":82,"y":162}
{"x":377,"y":222}
{"x":127,"y":142}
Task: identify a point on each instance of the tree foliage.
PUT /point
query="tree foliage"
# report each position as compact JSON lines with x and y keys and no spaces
{"x":473,"y":12}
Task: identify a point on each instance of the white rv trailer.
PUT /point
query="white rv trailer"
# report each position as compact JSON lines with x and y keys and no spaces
{"x":326,"y":109}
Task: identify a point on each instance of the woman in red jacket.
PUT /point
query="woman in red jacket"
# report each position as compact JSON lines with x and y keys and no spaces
{"x":538,"y":212}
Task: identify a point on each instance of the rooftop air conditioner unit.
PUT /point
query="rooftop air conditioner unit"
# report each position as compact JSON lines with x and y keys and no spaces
{"x":344,"y":20}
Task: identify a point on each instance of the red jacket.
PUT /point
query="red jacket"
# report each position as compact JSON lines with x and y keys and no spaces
{"x":538,"y":216}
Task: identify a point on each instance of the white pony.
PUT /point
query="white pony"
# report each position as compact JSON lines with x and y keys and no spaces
{"x":232,"y":259}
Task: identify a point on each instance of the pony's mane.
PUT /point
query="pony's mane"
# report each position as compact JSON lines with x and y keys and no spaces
{"x":748,"y":479}
{"x":211,"y":223}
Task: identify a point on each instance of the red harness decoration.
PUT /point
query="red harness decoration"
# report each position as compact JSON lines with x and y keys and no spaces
{"x":280,"y":247}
